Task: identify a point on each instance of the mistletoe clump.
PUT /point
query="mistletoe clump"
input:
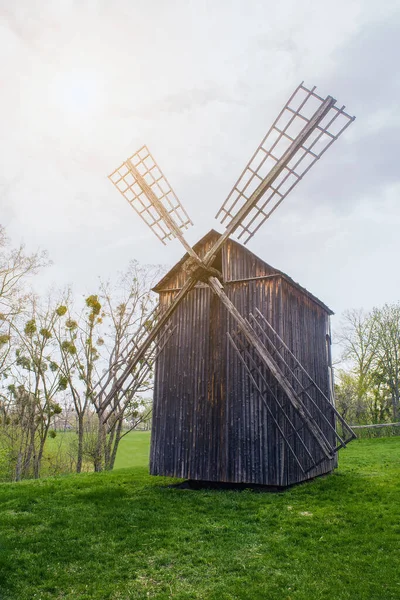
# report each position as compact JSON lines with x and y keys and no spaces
{"x":30,"y":327}
{"x":61,"y":310}
{"x":93,"y":303}
{"x":68,"y":347}
{"x":45,"y":333}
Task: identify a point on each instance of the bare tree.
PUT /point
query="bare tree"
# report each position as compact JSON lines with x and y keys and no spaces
{"x":16,"y":266}
{"x":359,"y":352}
{"x":369,"y":384}
{"x":371,"y":407}
{"x":51,"y":352}
{"x":17,"y":420}
{"x":16,"y":404}
{"x":347,"y":400}
{"x":356,"y":336}
{"x":32,"y":395}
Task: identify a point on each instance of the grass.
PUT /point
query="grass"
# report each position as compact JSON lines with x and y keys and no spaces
{"x":133,"y":450}
{"x":125,"y":535}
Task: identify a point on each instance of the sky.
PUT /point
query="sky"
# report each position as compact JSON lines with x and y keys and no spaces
{"x":86,"y":83}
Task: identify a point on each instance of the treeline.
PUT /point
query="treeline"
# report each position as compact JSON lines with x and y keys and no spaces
{"x":54,"y":350}
{"x":368,"y":377}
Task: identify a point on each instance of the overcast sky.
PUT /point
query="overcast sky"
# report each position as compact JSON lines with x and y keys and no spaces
{"x":84,"y":84}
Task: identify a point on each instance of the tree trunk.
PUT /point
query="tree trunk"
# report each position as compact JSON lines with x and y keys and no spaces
{"x":108,"y":447}
{"x":38,"y":458}
{"x":79,"y":458}
{"x":113,"y":454}
{"x":100,"y":445}
{"x":30,"y":450}
{"x":18,"y":467}
{"x":395,"y":405}
{"x":36,"y":463}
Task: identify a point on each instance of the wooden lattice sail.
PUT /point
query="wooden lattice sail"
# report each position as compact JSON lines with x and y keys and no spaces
{"x":304,"y":130}
{"x":142,"y":183}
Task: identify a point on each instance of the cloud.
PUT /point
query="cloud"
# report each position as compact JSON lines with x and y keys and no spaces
{"x":199,"y":83}
{"x":186,"y":100}
{"x":364,"y":160}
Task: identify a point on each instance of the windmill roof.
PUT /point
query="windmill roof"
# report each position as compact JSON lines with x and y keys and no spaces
{"x":212,"y":233}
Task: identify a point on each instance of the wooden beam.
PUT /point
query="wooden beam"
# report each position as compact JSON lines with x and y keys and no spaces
{"x":266,"y":405}
{"x":312,"y":383}
{"x":253,"y":340}
{"x":375,"y":425}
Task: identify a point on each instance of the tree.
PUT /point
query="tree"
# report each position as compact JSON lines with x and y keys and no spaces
{"x":94,"y":344}
{"x":387,"y":340}
{"x":369,"y":388}
{"x":17,"y":407}
{"x":129,"y":307}
{"x":348,"y":402}
{"x":356,"y":336}
{"x":358,"y":341}
{"x":78,"y":353}
{"x":35,"y":373}
{"x":16,"y":266}
{"x":17,"y":418}
{"x":372,"y":407}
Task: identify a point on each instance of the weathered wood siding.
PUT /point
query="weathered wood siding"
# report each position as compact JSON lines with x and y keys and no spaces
{"x":239,"y":263}
{"x":208,"y":422}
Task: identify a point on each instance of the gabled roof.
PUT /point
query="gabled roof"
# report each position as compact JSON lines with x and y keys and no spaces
{"x":162,"y":284}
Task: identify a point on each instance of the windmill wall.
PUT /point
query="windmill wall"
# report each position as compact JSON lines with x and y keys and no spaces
{"x":209,"y":423}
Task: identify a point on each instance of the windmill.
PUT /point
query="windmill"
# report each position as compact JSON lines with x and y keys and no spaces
{"x":303,"y":416}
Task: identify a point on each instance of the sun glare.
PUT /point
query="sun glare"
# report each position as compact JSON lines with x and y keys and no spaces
{"x":77,"y":95}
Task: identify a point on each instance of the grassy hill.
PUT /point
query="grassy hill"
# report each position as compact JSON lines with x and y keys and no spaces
{"x":125,"y":535}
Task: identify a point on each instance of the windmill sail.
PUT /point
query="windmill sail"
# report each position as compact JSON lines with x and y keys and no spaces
{"x":140,"y":180}
{"x":290,"y":123}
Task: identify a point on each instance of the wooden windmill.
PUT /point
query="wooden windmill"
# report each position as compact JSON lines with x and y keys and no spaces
{"x":288,"y":415}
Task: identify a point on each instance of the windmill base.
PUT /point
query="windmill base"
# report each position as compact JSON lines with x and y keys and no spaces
{"x":243,"y":481}
{"x":195,"y":484}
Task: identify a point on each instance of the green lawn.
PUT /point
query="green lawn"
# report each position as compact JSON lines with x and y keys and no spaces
{"x":125,"y":535}
{"x":133,"y":450}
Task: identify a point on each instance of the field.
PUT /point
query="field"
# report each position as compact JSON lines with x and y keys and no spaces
{"x":125,"y":535}
{"x":133,"y":450}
